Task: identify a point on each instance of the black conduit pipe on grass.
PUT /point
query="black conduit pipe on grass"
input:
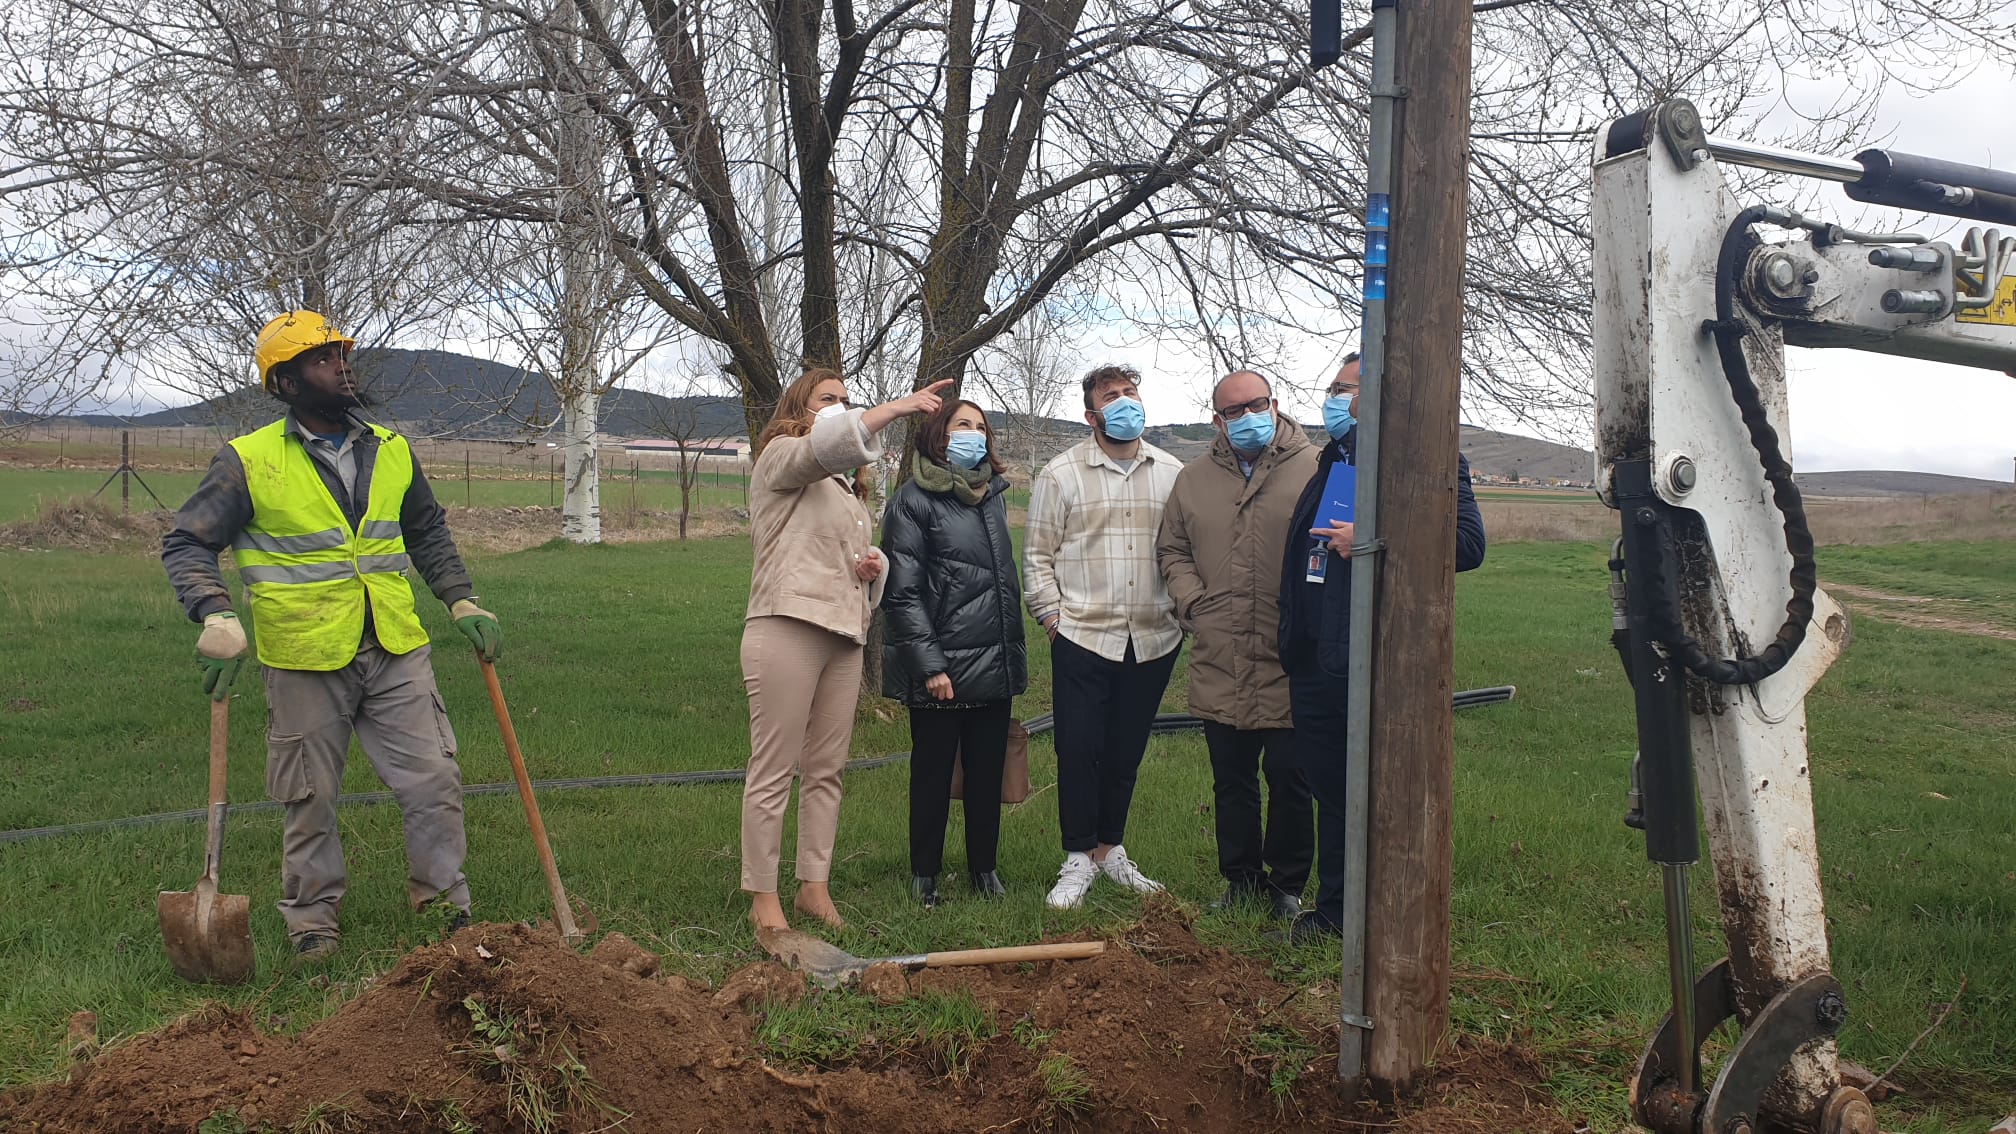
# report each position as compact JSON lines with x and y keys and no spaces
{"x":1036,"y":726}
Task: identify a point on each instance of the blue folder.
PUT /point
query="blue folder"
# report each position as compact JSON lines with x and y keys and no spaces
{"x":1339,"y":491}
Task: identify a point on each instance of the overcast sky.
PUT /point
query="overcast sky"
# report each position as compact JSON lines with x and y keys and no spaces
{"x":1856,"y":410}
{"x":1850,"y":409}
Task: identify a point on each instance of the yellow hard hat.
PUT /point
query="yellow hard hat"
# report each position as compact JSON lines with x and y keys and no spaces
{"x":289,"y":335}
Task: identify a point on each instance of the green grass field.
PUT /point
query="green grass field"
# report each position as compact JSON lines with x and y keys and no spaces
{"x":623,"y":659}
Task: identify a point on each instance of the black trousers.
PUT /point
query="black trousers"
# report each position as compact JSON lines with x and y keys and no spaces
{"x":1105,"y":711}
{"x":1250,"y":857}
{"x":1320,"y":710}
{"x":978,"y":737}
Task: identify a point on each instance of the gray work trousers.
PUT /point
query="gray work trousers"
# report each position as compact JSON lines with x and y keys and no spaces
{"x":392,"y":705}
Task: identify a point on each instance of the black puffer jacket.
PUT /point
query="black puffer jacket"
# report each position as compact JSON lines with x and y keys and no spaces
{"x":953,"y":604}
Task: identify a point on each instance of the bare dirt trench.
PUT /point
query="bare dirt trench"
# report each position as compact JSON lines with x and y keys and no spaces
{"x":503,"y":1028}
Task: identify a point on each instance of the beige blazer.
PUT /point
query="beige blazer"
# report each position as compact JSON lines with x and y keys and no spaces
{"x":810,"y":530}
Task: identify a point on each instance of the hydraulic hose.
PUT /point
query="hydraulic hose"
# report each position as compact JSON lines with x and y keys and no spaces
{"x":1729,"y":330}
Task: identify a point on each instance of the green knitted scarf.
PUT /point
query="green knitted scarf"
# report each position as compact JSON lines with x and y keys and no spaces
{"x":969,"y":485}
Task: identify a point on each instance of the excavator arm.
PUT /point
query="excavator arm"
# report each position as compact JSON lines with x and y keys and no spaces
{"x":1721,"y":622}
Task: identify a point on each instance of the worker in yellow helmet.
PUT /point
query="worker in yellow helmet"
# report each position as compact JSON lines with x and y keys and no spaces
{"x":324,"y":512}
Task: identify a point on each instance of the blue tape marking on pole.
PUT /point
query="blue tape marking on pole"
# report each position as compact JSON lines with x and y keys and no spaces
{"x":1378,"y":211}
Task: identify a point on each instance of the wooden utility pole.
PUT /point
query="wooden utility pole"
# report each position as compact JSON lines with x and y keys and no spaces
{"x":1413,"y":732}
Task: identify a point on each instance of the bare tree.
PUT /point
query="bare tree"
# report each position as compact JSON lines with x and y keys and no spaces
{"x":1027,"y":373}
{"x":173,"y":173}
{"x":951,"y":165}
{"x":694,"y":445}
{"x":687,"y":411}
{"x":1185,"y":163}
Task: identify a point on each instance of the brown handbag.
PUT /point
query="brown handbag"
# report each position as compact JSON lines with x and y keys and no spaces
{"x":1014,"y":769}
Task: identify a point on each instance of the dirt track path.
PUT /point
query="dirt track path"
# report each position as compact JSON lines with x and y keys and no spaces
{"x":1918,"y":611}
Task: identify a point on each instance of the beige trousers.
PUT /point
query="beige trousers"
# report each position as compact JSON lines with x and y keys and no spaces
{"x":803,"y":684}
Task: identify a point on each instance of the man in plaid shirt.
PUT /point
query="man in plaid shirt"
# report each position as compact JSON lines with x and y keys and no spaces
{"x":1091,"y":578}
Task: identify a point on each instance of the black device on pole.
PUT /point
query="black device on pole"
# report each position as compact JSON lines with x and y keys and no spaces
{"x":1326,"y":32}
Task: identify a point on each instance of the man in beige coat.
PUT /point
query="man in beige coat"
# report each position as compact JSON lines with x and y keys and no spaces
{"x":1220,"y":550}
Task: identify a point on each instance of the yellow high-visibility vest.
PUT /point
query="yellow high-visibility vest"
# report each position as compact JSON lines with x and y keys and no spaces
{"x":308,"y":573}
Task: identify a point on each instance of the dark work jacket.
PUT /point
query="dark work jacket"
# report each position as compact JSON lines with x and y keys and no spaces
{"x":953,"y":604}
{"x":1316,"y":617}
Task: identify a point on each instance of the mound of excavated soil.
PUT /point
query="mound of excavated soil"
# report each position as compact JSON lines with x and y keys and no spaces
{"x":85,"y":524}
{"x":1160,"y":1025}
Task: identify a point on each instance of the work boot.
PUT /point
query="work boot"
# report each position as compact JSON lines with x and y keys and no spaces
{"x":1308,"y":929}
{"x":1117,"y":866}
{"x":924,"y":888}
{"x":315,"y":946}
{"x":1285,"y":907}
{"x":1236,"y":896}
{"x":453,"y":917}
{"x":987,"y":884}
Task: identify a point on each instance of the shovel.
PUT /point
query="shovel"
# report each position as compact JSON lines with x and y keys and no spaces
{"x":830,"y":966}
{"x":563,"y":913}
{"x":209,"y":935}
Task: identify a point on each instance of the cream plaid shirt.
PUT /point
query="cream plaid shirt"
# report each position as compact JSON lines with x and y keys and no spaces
{"x":1090,"y":553}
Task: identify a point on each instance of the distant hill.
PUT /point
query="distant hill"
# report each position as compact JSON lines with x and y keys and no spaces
{"x":436,"y":392}
{"x":1508,"y":455}
{"x":432,"y":392}
{"x":1864,"y":482}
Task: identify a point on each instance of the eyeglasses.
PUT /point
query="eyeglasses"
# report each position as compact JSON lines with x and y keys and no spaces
{"x":1235,"y":412}
{"x":1339,"y":390}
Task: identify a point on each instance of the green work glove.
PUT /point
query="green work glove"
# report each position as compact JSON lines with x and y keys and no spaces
{"x":480,"y":627}
{"x":221,"y":649}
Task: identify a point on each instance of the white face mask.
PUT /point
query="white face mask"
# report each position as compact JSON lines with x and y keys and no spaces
{"x":829,"y":411}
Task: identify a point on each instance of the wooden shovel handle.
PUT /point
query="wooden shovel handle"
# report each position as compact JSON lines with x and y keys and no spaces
{"x":220,"y":746}
{"x":563,"y":913}
{"x":1015,"y":954}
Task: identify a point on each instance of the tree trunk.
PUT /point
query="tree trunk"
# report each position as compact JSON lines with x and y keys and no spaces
{"x":689,"y":469}
{"x":581,"y":508}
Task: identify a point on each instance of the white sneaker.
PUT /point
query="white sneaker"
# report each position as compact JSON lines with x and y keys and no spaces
{"x":1117,"y":866}
{"x":1073,"y":879}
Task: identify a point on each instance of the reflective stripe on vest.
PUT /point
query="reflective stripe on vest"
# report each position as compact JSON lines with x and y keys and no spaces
{"x":309,"y":575}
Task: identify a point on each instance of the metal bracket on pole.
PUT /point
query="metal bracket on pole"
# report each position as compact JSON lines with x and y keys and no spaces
{"x":1369,"y":547}
{"x":1364,"y":1023}
{"x":1390,"y":90}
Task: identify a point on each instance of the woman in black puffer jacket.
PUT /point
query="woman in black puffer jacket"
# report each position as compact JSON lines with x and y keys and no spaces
{"x":952,"y":640}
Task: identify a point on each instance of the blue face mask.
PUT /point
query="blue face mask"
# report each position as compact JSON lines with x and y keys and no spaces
{"x":1251,"y":433}
{"x":966,"y":448}
{"x":1125,"y":419}
{"x":1337,"y":416}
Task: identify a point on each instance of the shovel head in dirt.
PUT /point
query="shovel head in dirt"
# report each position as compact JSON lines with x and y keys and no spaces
{"x":830,"y":966}
{"x":208,"y":935}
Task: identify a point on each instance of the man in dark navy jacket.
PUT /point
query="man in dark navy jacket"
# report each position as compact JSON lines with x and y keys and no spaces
{"x":1316,"y":645}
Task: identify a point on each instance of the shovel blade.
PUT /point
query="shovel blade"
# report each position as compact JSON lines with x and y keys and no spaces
{"x":828,"y":965}
{"x":208,"y":935}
